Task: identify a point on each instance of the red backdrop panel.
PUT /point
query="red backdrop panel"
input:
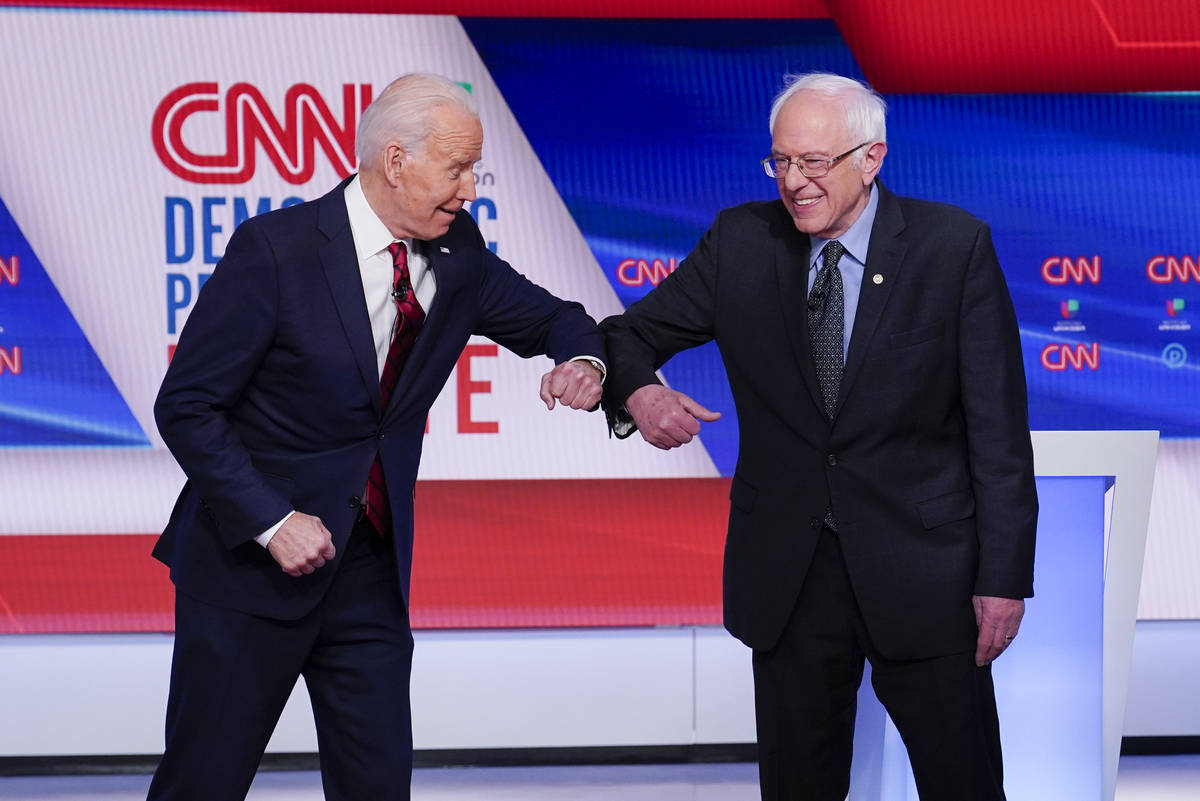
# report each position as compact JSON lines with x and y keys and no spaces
{"x":488,"y":554}
{"x":644,"y":9}
{"x":933,"y":46}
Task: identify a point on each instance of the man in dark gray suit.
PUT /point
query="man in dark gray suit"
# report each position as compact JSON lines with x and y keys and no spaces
{"x":883,"y":505}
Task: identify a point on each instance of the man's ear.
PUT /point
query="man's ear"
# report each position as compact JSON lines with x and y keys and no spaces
{"x":873,"y":161}
{"x":395,"y":160}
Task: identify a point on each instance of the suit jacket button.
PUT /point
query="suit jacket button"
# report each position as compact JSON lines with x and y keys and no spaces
{"x":814,"y":522}
{"x":831,"y":460}
{"x":354,"y":502}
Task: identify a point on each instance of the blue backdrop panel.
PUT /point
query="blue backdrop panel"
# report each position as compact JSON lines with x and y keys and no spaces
{"x":62,"y":395}
{"x":647,"y":129}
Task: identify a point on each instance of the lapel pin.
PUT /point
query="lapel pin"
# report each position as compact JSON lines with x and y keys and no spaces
{"x":447,"y":252}
{"x":877,"y":279}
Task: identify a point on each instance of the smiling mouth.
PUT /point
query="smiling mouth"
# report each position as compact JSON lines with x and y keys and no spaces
{"x":805,"y":201}
{"x":451,"y":212}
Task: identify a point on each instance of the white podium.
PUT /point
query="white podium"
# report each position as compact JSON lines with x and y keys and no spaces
{"x":1061,"y":687}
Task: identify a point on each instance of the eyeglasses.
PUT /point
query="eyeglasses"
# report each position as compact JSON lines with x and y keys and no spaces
{"x":810,"y":166}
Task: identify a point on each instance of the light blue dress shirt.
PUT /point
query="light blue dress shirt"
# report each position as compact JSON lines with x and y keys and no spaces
{"x":852,"y":265}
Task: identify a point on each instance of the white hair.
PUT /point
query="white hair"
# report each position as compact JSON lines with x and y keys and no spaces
{"x":403,"y":113}
{"x":865,"y":109}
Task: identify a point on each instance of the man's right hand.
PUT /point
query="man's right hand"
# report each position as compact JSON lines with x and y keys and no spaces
{"x":301,"y":545}
{"x":666,"y":418}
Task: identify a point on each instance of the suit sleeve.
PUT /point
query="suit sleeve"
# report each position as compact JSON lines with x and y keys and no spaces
{"x":225,"y":338}
{"x":676,"y":315}
{"x":996,"y":413}
{"x":528,"y":320}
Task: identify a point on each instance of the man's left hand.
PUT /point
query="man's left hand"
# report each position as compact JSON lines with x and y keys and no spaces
{"x":998,"y":620}
{"x":575,"y":384}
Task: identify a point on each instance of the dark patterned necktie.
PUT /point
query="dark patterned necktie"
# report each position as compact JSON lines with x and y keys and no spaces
{"x":409,"y":318}
{"x":826,"y":324}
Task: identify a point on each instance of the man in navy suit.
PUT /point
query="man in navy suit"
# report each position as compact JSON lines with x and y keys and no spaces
{"x":883,"y":505}
{"x":290,"y":545}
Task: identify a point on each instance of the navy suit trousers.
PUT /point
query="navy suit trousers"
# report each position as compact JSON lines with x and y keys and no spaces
{"x":232,"y":673}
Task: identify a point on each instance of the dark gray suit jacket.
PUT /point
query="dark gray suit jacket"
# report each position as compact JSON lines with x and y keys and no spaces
{"x":927,"y":462}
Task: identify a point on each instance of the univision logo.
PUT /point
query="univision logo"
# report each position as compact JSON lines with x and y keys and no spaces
{"x":1175,"y":321}
{"x":1068,"y":310}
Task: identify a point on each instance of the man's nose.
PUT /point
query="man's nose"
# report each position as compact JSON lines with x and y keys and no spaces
{"x":466,"y":186}
{"x":794,"y":179}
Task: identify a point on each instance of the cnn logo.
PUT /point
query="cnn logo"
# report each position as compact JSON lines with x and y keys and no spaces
{"x":1059,"y":357}
{"x":1063,"y":269}
{"x":291,"y":144}
{"x":1167,"y":269}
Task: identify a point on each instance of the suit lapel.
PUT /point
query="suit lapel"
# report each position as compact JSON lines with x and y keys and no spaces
{"x":791,"y":273}
{"x":885,"y":257}
{"x":340,"y":262}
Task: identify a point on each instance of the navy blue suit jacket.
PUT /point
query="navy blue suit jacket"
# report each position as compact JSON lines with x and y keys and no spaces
{"x":272,"y":400}
{"x":927,"y":462}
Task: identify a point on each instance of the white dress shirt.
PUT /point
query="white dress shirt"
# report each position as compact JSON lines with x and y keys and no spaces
{"x":371,"y":241}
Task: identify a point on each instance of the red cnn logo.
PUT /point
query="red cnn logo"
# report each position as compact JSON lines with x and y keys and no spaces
{"x":1165,"y":269}
{"x":638,"y":272}
{"x":1058,"y":357}
{"x":1060,"y":270}
{"x":249,"y":122}
{"x":10,"y":360}
{"x":10,"y":270}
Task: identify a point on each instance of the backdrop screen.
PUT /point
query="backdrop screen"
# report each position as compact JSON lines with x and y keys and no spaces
{"x":610,"y":146}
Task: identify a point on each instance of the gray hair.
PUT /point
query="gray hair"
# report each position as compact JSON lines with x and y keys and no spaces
{"x":403,"y":113}
{"x":865,"y":109}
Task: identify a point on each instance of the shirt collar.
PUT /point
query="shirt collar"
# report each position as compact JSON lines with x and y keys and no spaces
{"x":371,"y":236}
{"x":857,"y":238}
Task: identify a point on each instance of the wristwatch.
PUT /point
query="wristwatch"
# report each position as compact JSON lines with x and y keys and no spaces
{"x":599,"y":365}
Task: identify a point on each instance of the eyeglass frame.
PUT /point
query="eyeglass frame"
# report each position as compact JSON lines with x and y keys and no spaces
{"x":768,"y":163}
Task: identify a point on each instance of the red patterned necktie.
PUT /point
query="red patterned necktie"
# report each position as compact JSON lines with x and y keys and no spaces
{"x":409,"y":318}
